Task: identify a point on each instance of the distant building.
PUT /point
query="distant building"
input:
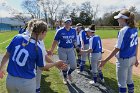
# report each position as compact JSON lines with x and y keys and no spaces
{"x":10,"y":24}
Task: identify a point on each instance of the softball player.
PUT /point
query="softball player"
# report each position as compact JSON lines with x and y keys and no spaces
{"x":84,"y":39}
{"x":66,"y":38}
{"x":95,"y":49}
{"x":41,"y":42}
{"x":24,"y":53}
{"x":125,"y":50}
{"x":78,"y":29}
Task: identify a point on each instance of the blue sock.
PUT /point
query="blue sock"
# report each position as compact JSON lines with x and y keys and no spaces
{"x":38,"y":90}
{"x":82,"y":66}
{"x":130,"y":88}
{"x":64,"y":73}
{"x":78,"y":62}
{"x":101,"y":74}
{"x":70,"y":71}
{"x":95,"y":77}
{"x":122,"y":90}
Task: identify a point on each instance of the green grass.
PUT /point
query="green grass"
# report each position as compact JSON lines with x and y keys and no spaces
{"x":107,"y":33}
{"x":6,"y":37}
{"x":51,"y":81}
{"x":110,"y":78}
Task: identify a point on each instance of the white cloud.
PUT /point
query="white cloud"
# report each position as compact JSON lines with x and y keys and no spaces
{"x":4,"y":13}
{"x":104,"y":5}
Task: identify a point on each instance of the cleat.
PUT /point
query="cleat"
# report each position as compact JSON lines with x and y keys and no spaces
{"x":102,"y":80}
{"x":65,"y":81}
{"x":80,"y":72}
{"x":93,"y":83}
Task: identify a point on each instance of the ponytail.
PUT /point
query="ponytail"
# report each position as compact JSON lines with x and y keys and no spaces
{"x":131,"y":20}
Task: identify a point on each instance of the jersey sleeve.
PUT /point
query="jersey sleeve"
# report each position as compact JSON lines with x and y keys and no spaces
{"x":43,"y":47}
{"x":41,"y":58}
{"x":11,"y":45}
{"x":75,"y":36}
{"x":57,"y":36}
{"x":120,"y":43}
{"x":90,"y":43}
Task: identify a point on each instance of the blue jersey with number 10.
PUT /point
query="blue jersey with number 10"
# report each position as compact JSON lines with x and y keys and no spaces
{"x":65,"y":38}
{"x":127,"y":42}
{"x":23,"y":59}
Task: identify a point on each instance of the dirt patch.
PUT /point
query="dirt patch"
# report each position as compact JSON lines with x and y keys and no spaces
{"x":108,"y":45}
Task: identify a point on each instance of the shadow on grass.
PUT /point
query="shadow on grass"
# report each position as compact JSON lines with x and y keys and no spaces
{"x":73,"y":88}
{"x":45,"y":86}
{"x":111,"y":84}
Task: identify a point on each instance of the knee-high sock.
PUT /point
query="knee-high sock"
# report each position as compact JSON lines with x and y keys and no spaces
{"x":95,"y":77}
{"x":122,"y":90}
{"x":100,"y":74}
{"x":70,"y":71}
{"x":130,"y":88}
{"x":64,"y":73}
{"x":82,"y":66}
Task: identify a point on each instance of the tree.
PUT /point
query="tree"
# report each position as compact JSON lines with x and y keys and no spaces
{"x":21,"y":17}
{"x":32,"y":8}
{"x":16,"y":14}
{"x":87,"y":8}
{"x":64,"y":12}
{"x":85,"y":18}
{"x":51,"y":8}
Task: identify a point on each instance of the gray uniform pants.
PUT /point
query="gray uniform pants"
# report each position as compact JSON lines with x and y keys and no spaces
{"x":68,"y":55}
{"x":84,"y":55}
{"x":38,"y":78}
{"x":95,"y":57}
{"x":124,"y":71}
{"x":20,"y":85}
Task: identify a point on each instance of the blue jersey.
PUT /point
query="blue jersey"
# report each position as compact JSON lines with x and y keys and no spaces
{"x":65,"y":38}
{"x":23,"y":59}
{"x":22,"y":30}
{"x":127,"y":42}
{"x":95,"y":44}
{"x":83,"y":37}
{"x":58,"y":27}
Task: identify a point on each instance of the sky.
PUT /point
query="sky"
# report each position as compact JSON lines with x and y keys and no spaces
{"x":104,"y":5}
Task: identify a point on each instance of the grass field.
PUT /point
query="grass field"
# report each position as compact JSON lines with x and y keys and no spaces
{"x":51,"y":81}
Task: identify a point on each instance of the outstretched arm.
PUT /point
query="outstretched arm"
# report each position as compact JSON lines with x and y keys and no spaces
{"x":50,"y":52}
{"x":103,"y":62}
{"x":3,"y":62}
{"x":59,"y":64}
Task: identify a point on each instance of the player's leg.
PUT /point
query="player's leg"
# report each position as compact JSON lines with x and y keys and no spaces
{"x":72,"y":62}
{"x":94,"y":66}
{"x":121,"y":71}
{"x":11,"y":84}
{"x":100,"y":74}
{"x":130,"y":83}
{"x":38,"y":80}
{"x":63,"y":56}
{"x":83,"y":58}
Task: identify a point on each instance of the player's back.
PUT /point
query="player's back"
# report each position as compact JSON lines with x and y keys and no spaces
{"x":129,"y":43}
{"x":23,"y":57}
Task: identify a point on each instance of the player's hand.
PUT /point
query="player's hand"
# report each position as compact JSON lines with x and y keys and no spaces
{"x":81,"y":52}
{"x":49,"y":52}
{"x":136,"y":63}
{"x":47,"y":70}
{"x":103,"y":62}
{"x":61,"y":65}
{"x":2,"y":73}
